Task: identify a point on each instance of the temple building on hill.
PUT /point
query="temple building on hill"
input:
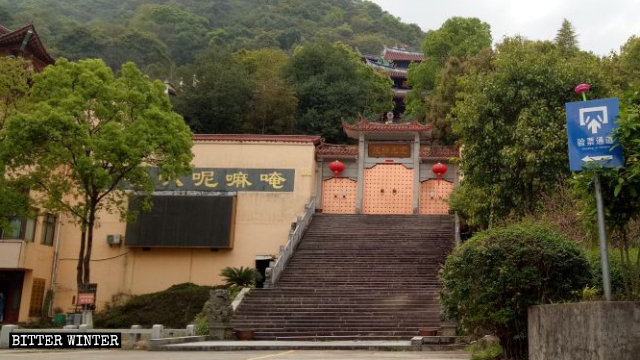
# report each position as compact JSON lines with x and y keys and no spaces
{"x":396,"y":63}
{"x":25,"y":43}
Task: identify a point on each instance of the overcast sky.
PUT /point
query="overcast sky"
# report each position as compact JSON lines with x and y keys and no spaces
{"x":601,"y":25}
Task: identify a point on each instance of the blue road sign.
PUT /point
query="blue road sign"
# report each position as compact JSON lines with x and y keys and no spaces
{"x":589,"y":128}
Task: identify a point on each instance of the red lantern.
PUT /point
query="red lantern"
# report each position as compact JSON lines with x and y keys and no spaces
{"x":439,"y":169}
{"x":337,"y":167}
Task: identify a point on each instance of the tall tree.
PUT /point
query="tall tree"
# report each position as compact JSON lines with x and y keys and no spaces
{"x":511,"y":124}
{"x":273,"y":100}
{"x":458,"y":37}
{"x":215,"y":94}
{"x":332,"y":84}
{"x":14,"y":85}
{"x":86,"y":134}
{"x":566,"y":37}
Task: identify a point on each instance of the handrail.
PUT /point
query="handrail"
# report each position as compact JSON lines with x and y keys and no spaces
{"x":298,"y":228}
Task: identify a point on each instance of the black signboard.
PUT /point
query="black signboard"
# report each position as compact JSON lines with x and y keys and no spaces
{"x":183,"y":221}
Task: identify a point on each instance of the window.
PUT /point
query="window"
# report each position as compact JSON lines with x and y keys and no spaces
{"x":20,"y":228}
{"x":48,"y":229}
{"x":37,"y":297}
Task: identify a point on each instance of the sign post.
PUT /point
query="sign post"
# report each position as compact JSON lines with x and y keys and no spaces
{"x":589,"y":128}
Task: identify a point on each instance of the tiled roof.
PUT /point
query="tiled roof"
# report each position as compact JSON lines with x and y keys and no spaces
{"x":16,"y":38}
{"x":4,"y":30}
{"x":393,"y":72}
{"x":402,"y":55}
{"x":370,"y":126}
{"x":438,"y":152}
{"x":311,"y":139}
{"x":339,"y":151}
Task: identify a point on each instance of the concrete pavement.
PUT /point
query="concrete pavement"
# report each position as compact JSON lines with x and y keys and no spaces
{"x":232,"y":355}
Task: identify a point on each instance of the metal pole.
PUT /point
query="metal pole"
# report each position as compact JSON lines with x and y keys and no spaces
{"x":604,"y":254}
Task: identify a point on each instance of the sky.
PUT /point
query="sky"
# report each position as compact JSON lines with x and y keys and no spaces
{"x":601,"y":25}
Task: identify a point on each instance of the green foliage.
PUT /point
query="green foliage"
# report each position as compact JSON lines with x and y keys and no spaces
{"x":458,"y":37}
{"x":332,"y":83}
{"x":174,"y":307}
{"x":485,"y":350}
{"x":242,"y":276}
{"x":217,"y":94}
{"x":566,"y":38}
{"x":14,"y":85}
{"x":510,"y":121}
{"x":85,"y":134}
{"x":621,"y":189}
{"x":620,"y":282}
{"x":202,"y":322}
{"x":273,"y":101}
{"x":491,"y":280}
{"x":156,"y":33}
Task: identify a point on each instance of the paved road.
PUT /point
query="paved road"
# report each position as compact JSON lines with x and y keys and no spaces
{"x":230,"y":355}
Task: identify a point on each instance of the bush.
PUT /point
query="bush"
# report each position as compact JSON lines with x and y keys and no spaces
{"x":615,"y":271}
{"x":491,"y":280}
{"x":173,"y":308}
{"x":242,"y":276}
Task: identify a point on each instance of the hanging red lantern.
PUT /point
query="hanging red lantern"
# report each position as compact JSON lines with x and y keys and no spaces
{"x":337,"y":167}
{"x":439,"y":169}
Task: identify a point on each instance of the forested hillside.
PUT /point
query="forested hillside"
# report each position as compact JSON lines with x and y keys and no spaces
{"x":161,"y":35}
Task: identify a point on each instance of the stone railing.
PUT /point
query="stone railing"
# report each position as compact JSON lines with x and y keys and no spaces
{"x":298,"y":228}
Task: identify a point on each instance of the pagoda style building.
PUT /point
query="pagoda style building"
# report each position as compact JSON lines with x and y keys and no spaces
{"x":396,"y":63}
{"x":25,"y":43}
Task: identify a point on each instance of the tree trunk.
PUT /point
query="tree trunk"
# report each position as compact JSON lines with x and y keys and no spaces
{"x":87,"y":255}
{"x":80,"y":267}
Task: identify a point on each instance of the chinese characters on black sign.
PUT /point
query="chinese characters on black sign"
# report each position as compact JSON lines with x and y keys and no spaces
{"x":234,"y":179}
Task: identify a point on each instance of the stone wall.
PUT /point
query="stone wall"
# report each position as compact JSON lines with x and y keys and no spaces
{"x":585,"y":331}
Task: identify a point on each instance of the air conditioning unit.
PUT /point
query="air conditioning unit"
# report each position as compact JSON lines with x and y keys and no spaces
{"x":114,"y":239}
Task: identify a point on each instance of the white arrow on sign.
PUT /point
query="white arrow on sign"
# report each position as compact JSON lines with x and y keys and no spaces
{"x":597,"y":158}
{"x":594,"y":124}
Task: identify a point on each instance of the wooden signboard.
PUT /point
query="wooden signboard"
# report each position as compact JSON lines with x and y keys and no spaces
{"x":390,"y":150}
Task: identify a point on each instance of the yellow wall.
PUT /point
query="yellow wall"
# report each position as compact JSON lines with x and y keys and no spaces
{"x":35,"y":260}
{"x":262,"y":225}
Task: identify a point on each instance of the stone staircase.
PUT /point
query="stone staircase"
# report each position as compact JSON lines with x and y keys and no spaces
{"x":355,"y":277}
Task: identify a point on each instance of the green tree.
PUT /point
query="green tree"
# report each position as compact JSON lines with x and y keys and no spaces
{"x":88,"y":133}
{"x":621,"y":189}
{"x":183,"y":32}
{"x":490,"y":281}
{"x":14,"y":85}
{"x":458,"y":37}
{"x":566,"y":37}
{"x":216,"y":93}
{"x":332,"y":83}
{"x":273,"y":101}
{"x":511,"y":124}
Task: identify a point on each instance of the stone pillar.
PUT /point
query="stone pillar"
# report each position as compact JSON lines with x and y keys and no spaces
{"x":156,"y":331}
{"x":319,"y":183}
{"x":134,"y":335}
{"x":220,"y":313}
{"x":361,"y":157}
{"x":416,"y":174}
{"x":4,"y":335}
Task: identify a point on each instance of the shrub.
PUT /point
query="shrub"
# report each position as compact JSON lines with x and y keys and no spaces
{"x":615,"y":271}
{"x":491,"y":280}
{"x":242,"y":276}
{"x":174,"y":307}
